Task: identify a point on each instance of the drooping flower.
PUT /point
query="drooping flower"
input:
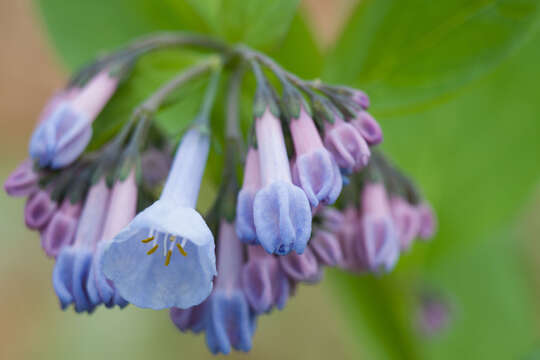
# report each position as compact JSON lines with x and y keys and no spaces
{"x":349,"y":148}
{"x":302,"y":267}
{"x":66,"y":127}
{"x":39,"y":209}
{"x":315,"y":169}
{"x":60,"y":231}
{"x":245,"y":224}
{"x":264,"y":283}
{"x":72,"y":266}
{"x":428,"y":221}
{"x":361,"y":98}
{"x":192,"y":318}
{"x":406,"y":221}
{"x":327,"y":248}
{"x":170,"y":226}
{"x":368,"y":127}
{"x":121,"y":210}
{"x":230,"y":323}
{"x":378,"y":245}
{"x":282,"y":213}
{"x":22,"y":181}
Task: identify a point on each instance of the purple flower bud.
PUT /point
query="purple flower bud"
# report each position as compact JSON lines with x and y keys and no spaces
{"x":302,"y":267}
{"x":121,"y":210}
{"x":315,"y":170}
{"x":378,"y":245}
{"x":347,"y":234}
{"x":73,"y":264}
{"x":66,"y":127}
{"x":265,"y":284}
{"x":282,"y":213}
{"x":60,"y":232}
{"x":245,"y":224}
{"x":347,"y":145}
{"x":433,"y":315}
{"x":23,"y":181}
{"x":155,"y":165}
{"x":327,"y":248}
{"x":406,"y":220}
{"x":38,"y":210}
{"x":189,"y":319}
{"x":230,"y":323}
{"x":368,"y":127}
{"x":428,"y":221}
{"x":332,"y":219}
{"x":361,"y":99}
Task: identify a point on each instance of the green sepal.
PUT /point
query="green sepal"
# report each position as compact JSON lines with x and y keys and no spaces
{"x":292,"y":102}
{"x":323,"y":110}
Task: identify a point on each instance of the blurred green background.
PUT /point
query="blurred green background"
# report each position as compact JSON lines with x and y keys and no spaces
{"x":454,"y":85}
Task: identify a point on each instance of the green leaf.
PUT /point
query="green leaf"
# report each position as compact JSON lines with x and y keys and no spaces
{"x":406,"y":55}
{"x":258,"y":23}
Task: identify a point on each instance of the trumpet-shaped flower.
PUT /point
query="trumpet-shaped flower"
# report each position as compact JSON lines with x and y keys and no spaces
{"x":406,"y":220}
{"x":245,"y":225}
{"x":121,"y":210}
{"x":378,"y":244}
{"x":38,"y":210}
{"x":60,"y":231}
{"x":302,"y":267}
{"x":264,"y":282}
{"x":315,"y":170}
{"x":182,"y":276}
{"x":368,"y":127}
{"x":72,"y":266}
{"x":282,"y":214}
{"x":66,"y":126}
{"x":326,"y":247}
{"x":229,"y":320}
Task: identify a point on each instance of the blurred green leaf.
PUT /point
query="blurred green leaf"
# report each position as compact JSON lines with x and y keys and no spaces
{"x":410,"y":54}
{"x":256,"y":22}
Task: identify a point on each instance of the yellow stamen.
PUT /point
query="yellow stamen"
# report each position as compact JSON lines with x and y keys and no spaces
{"x":182,"y":251}
{"x":151,"y":251}
{"x":148,"y":240}
{"x":168,"y":258}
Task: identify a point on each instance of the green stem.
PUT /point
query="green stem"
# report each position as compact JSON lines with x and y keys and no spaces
{"x":233,"y":92}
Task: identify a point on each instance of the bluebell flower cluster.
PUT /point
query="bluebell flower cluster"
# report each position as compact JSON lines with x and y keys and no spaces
{"x":123,"y":223}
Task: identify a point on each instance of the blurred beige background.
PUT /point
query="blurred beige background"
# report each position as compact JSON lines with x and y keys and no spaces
{"x":32,"y":326}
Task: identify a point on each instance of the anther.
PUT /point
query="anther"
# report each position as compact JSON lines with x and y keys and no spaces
{"x":147,"y":240}
{"x":168,"y":258}
{"x":151,"y":251}
{"x":181,"y":249}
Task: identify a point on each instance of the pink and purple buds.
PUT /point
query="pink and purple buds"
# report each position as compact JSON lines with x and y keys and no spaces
{"x":66,"y":128}
{"x":315,"y":169}
{"x":245,"y":224}
{"x":349,"y":148}
{"x":38,"y":210}
{"x":264,"y":283}
{"x":192,"y":318}
{"x":302,"y":267}
{"x":230,"y":322}
{"x":326,"y":247}
{"x":428,"y":221}
{"x":72,"y":267}
{"x":406,"y":221}
{"x":60,"y":231}
{"x":378,"y":245}
{"x":281,"y":210}
{"x":361,"y":99}
{"x":121,"y":210}
{"x":368,"y":127}
{"x":23,"y":181}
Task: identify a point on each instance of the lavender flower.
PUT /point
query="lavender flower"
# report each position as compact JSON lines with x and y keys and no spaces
{"x":60,"y":231}
{"x":428,"y":221}
{"x":230,"y":322}
{"x":264,"y":283}
{"x":147,"y":280}
{"x":361,"y":98}
{"x":192,"y":318}
{"x":38,"y":210}
{"x":22,"y":181}
{"x":245,"y":224}
{"x":347,"y":145}
{"x":327,"y":248}
{"x":378,"y":245}
{"x":66,"y":127}
{"x":302,"y":267}
{"x":121,"y":210}
{"x":368,"y":127}
{"x":315,"y":170}
{"x":70,"y":273}
{"x":281,"y":210}
{"x":407,"y":221}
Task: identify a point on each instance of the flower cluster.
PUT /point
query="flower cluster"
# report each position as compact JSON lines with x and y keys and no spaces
{"x":122,"y":221}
